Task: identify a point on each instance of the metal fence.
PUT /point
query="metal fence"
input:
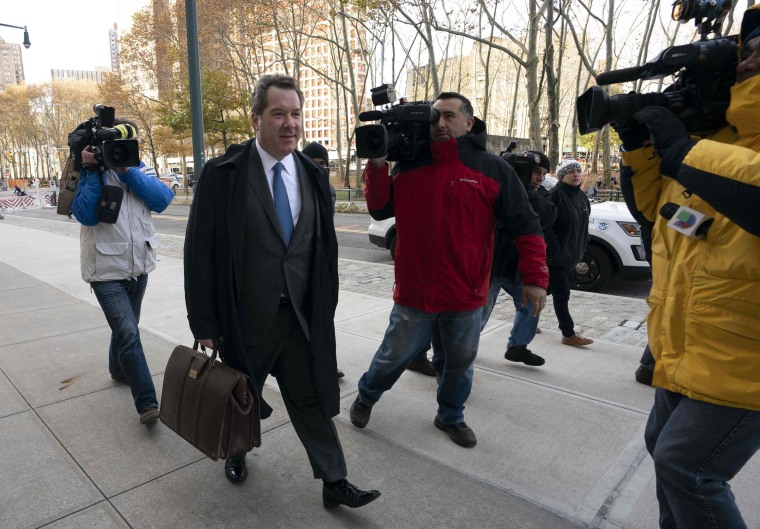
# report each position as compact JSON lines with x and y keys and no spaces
{"x":604,"y":195}
{"x":349,"y":194}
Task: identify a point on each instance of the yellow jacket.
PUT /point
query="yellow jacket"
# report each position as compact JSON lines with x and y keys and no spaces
{"x":704,"y":320}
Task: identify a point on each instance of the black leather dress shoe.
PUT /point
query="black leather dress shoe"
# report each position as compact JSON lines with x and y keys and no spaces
{"x":344,"y":493}
{"x":235,"y":469}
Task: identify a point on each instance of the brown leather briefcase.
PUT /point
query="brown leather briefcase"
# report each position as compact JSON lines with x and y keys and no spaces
{"x":209,"y":404}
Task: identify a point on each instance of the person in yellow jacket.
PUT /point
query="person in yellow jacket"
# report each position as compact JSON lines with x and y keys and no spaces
{"x":703,"y":198}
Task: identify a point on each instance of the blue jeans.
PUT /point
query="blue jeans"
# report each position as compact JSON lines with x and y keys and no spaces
{"x":408,"y":332}
{"x":121,"y":301}
{"x":525,"y":324}
{"x":697,"y":447}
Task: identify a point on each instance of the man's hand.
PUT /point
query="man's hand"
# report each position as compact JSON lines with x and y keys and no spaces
{"x":88,"y":157}
{"x":633,"y":135}
{"x":377,"y":162}
{"x":207,"y":343}
{"x":537,"y":297}
{"x":664,"y":127}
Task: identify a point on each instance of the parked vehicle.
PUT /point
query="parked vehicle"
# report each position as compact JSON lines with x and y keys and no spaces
{"x":615,"y":247}
{"x":173,"y":181}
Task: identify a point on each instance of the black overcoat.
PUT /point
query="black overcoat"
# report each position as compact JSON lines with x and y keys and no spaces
{"x":214,"y":268}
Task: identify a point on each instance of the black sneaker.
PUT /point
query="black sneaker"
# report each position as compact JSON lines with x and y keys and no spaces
{"x":360,"y":413}
{"x":460,"y":433}
{"x":521,"y":353}
{"x":644,"y":375}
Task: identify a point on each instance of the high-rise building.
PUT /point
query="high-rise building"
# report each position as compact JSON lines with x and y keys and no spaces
{"x":11,"y":64}
{"x":113,"y":37}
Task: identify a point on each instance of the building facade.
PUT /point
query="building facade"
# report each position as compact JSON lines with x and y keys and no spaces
{"x":113,"y":38}
{"x":11,"y":64}
{"x":77,"y":75}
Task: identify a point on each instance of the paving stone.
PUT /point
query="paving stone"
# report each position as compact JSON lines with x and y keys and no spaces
{"x":39,"y":481}
{"x":11,"y":400}
{"x":100,"y":516}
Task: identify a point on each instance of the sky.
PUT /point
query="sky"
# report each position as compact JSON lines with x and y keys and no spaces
{"x":65,"y":34}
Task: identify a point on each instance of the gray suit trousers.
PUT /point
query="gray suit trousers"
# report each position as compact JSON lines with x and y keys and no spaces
{"x":286,"y":355}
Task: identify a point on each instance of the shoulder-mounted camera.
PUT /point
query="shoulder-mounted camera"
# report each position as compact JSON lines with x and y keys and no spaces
{"x":403,"y":127}
{"x":523,"y":163}
{"x":112,"y":145}
{"x":705,"y":71}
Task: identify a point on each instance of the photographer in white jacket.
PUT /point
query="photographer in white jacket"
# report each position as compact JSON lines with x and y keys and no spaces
{"x":116,"y":259}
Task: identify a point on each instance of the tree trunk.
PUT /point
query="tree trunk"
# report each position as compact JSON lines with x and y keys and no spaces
{"x":551,"y":86}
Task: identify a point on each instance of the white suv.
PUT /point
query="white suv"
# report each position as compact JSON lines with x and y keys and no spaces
{"x":615,"y":246}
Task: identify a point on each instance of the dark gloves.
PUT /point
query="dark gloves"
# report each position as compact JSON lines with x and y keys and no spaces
{"x":664,"y":127}
{"x":633,"y":135}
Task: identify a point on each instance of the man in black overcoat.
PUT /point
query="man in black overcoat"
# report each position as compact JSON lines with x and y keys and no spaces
{"x":261,"y":260}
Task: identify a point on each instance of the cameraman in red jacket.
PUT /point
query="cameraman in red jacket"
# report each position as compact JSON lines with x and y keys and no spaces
{"x":447,"y":202}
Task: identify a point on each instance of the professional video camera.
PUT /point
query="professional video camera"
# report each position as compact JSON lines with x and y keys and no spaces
{"x":403,"y":127}
{"x":522,"y":163}
{"x":705,"y":71}
{"x":111,"y":144}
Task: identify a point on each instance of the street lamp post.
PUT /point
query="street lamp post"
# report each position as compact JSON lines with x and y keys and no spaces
{"x":194,"y":73}
{"x":27,"y":42}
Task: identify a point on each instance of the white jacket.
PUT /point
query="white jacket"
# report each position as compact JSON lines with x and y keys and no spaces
{"x":127,"y":248}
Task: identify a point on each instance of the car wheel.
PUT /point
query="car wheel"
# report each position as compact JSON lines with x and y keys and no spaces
{"x":392,"y":246}
{"x":593,"y":272}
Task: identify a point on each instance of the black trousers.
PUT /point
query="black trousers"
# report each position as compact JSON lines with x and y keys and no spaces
{"x":286,"y":355}
{"x":560,"y":285}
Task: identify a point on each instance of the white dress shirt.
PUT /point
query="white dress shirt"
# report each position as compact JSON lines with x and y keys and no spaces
{"x":289,"y":177}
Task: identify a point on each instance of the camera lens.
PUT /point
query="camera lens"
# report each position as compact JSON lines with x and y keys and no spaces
{"x":119,"y":155}
{"x":371,"y":141}
{"x":375,"y":140}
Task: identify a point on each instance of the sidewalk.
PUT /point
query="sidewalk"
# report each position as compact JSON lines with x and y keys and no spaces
{"x":558,"y":446}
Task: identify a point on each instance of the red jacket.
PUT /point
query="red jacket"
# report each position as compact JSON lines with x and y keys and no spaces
{"x":447,"y":202}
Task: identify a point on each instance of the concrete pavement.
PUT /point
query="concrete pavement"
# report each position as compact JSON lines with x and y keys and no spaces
{"x":558,"y":446}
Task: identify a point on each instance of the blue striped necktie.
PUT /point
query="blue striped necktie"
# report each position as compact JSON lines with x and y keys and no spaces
{"x":281,"y":203}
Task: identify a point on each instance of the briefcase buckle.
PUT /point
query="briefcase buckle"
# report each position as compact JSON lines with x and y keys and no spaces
{"x":193,"y":374}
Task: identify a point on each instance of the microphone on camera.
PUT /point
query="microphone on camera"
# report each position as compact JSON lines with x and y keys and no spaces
{"x":124,"y":131}
{"x":623,"y":75}
{"x":370,"y":115}
{"x":685,"y":220}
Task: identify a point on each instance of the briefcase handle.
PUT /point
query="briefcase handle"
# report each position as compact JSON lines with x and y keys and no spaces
{"x":214,"y":351}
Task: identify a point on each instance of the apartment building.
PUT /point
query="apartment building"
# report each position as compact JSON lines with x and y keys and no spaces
{"x":11,"y":64}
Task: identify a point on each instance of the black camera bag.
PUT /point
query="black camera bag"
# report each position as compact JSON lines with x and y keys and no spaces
{"x":110,"y":203}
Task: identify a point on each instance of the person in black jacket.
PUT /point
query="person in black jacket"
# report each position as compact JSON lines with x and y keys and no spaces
{"x":504,"y":273}
{"x":261,"y":273}
{"x":571,"y":229}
